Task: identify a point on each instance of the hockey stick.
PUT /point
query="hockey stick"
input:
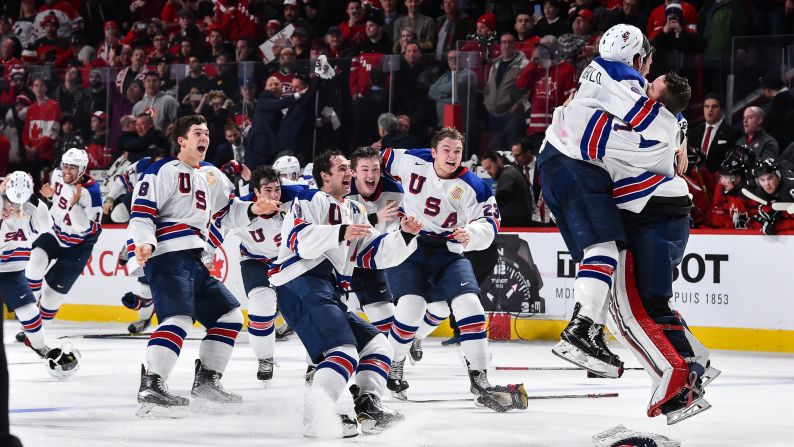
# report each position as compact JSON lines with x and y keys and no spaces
{"x":119,"y":336}
{"x":550,"y":368}
{"x":535,"y":397}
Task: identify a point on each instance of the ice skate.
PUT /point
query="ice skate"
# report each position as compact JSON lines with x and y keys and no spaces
{"x":308,"y":378}
{"x":416,"y":352}
{"x":395,"y":383}
{"x":139,"y":326}
{"x":41,"y":352}
{"x":372,"y":416}
{"x":454,"y":340}
{"x":155,"y":399}
{"x":207,"y":386}
{"x":687,"y":403}
{"x":283,"y":332}
{"x":710,"y":374}
{"x":497,"y":397}
{"x":265,"y":370}
{"x":582,"y":343}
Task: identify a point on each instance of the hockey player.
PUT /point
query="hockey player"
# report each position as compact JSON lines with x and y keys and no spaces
{"x":22,"y":221}
{"x":381,"y":195}
{"x":289,"y":168}
{"x":77,"y":214}
{"x":611,"y":98}
{"x":773,"y":197}
{"x":459,"y":214}
{"x":325,"y":236}
{"x":259,"y":247}
{"x":171,"y":209}
{"x":729,"y":208}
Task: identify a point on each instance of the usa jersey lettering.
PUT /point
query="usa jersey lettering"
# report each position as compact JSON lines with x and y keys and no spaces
{"x":72,"y":224}
{"x":19,"y":231}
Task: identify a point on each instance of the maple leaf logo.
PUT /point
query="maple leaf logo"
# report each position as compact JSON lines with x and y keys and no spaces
{"x":217,"y":267}
{"x":36,"y":131}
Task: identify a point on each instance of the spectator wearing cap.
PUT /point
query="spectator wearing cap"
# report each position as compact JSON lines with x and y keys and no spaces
{"x":630,"y":12}
{"x":73,"y":99}
{"x":69,"y":137}
{"x":552,"y":22}
{"x":272,"y":27}
{"x":292,"y":16}
{"x":42,"y":123}
{"x":451,"y":27}
{"x":526,"y":39}
{"x":421,"y":24}
{"x":260,"y":143}
{"x":109,"y":46}
{"x":337,"y":47}
{"x":676,"y":48}
{"x":502,"y":96}
{"x":69,"y":19}
{"x":762,"y":144}
{"x":599,"y":13}
{"x":50,"y":46}
{"x":100,"y":155}
{"x":712,"y":140}
{"x":299,"y":40}
{"x":136,"y":70}
{"x":296,"y":129}
{"x":162,"y":107}
{"x":581,"y":45}
{"x":353,"y":30}
{"x":195,"y":78}
{"x":658,"y":20}
{"x":779,"y":110}
{"x":376,"y":41}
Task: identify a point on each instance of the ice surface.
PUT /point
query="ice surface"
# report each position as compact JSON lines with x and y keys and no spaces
{"x":752,"y":399}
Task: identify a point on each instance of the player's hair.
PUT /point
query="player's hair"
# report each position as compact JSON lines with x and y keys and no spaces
{"x":446,"y":132}
{"x":362,"y":153}
{"x":231,"y":126}
{"x":263,"y":175}
{"x":715,"y":97}
{"x":677,"y":94}
{"x":387,"y":122}
{"x":322,"y":163}
{"x":494,"y":157}
{"x":182,"y":126}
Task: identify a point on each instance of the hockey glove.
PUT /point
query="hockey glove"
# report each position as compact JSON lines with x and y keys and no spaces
{"x":134,"y":302}
{"x":504,"y":398}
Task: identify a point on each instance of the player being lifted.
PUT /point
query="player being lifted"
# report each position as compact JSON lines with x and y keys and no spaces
{"x":324,"y":237}
{"x":381,"y":195}
{"x":171,"y":210}
{"x":459,"y":214}
{"x":77,"y":214}
{"x":22,"y":221}
{"x":611,"y":97}
{"x":259,"y":247}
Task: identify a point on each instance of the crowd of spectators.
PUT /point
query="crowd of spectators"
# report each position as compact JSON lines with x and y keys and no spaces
{"x":112,"y":76}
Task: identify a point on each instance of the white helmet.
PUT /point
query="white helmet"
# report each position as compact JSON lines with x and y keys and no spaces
{"x":75,"y":157}
{"x":288,"y":167}
{"x":19,"y":187}
{"x":64,"y":362}
{"x":622,"y":42}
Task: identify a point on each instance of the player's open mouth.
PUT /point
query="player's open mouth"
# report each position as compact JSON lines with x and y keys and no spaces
{"x":370,"y":183}
{"x":451,"y":163}
{"x":346,"y":183}
{"x":202,"y":149}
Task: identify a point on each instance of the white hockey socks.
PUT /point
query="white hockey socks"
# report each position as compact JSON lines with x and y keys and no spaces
{"x":216,"y":347}
{"x":408,"y":314}
{"x":333,"y":373}
{"x":35,"y":269}
{"x":435,"y":314}
{"x":261,"y":321}
{"x":470,"y":316}
{"x":165,"y":344}
{"x":594,"y":279}
{"x":374,"y":365}
{"x":50,"y":302}
{"x":146,"y":310}
{"x":380,"y":315}
{"x":30,"y":318}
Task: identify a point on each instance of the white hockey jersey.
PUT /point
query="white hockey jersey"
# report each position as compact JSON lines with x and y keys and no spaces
{"x":125,"y":182}
{"x":444,"y":204}
{"x":19,"y":231}
{"x":615,"y":95}
{"x":173,"y":203}
{"x":387,"y":192}
{"x":311,"y":235}
{"x":73,"y":224}
{"x":261,"y":239}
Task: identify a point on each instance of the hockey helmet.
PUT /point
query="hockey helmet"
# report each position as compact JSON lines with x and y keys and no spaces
{"x":64,"y":362}
{"x":767,"y":166}
{"x":19,"y":187}
{"x":75,"y":157}
{"x":288,"y":167}
{"x":622,"y":42}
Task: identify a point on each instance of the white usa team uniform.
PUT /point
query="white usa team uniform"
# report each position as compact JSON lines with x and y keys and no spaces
{"x":74,"y":224}
{"x":387,"y":192}
{"x":125,"y":182}
{"x":19,"y":234}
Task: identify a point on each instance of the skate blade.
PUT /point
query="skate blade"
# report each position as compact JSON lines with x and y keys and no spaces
{"x":697,"y":407}
{"x":570,"y":353}
{"x":400,"y":395}
{"x":152,"y":411}
{"x":710,"y":374}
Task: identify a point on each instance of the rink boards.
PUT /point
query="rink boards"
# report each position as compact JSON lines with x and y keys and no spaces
{"x":733,"y":289}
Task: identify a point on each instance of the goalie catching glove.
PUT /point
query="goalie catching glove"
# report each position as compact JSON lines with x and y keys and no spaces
{"x":504,"y":398}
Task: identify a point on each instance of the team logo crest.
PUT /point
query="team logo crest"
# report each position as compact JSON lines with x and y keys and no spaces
{"x":457,"y":193}
{"x":220,"y":265}
{"x":211,"y":179}
{"x":625,"y":36}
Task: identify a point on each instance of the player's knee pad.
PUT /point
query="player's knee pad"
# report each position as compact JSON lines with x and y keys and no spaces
{"x":644,"y":337}
{"x":341,"y":359}
{"x":262,"y":301}
{"x":37,"y":265}
{"x":470,"y":317}
{"x":50,"y":302}
{"x":435,"y":314}
{"x":408,"y":314}
{"x":594,"y":279}
{"x":379,"y":345}
{"x":234,"y":316}
{"x":380,"y":314}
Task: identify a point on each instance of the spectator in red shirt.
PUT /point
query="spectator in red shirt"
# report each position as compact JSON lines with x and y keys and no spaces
{"x":50,"y":46}
{"x":41,"y":129}
{"x":100,"y":156}
{"x":354,"y":30}
{"x":658,"y":18}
